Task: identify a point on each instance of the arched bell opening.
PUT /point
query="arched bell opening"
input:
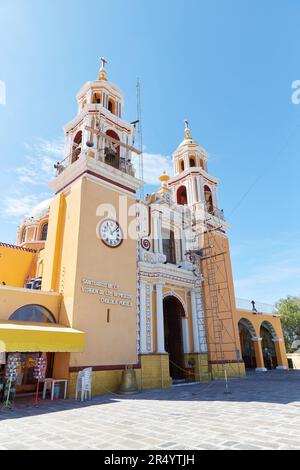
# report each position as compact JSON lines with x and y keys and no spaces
{"x":182,"y":196}
{"x":76,"y":147}
{"x":112,"y":150}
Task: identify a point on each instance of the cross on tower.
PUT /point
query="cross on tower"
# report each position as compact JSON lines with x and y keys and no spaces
{"x":103,"y":62}
{"x":187,"y":124}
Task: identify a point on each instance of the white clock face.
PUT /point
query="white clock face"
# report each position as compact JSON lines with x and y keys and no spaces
{"x":111,"y":233}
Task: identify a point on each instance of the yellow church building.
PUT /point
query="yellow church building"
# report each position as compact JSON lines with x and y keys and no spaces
{"x":100,"y":278}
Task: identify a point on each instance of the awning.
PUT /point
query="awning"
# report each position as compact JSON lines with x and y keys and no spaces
{"x":39,"y":337}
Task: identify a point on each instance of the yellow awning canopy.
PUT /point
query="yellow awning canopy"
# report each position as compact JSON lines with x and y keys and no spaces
{"x":39,"y":337}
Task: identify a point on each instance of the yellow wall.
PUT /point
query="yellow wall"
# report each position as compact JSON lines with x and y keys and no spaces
{"x":12,"y":298}
{"x":73,"y":252}
{"x":16,"y":265}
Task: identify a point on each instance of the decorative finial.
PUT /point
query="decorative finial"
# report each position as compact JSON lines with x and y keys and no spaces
{"x":187,"y":130}
{"x":102,"y":71}
{"x":164,"y":177}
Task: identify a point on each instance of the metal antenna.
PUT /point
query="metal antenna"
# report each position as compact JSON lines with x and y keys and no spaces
{"x":140,"y":134}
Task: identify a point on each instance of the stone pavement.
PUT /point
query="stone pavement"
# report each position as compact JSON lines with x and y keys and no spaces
{"x":262,"y":412}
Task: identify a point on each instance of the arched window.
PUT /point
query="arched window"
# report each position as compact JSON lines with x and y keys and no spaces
{"x":76,"y":148}
{"x":44,"y":232}
{"x":112,"y":150}
{"x":97,"y":98}
{"x":202,"y":164}
{"x":23,"y":235}
{"x":182,"y":196}
{"x":181,"y":166}
{"x":111,"y":106}
{"x":169,"y":245}
{"x":33,"y":313}
{"x":208,"y":199}
{"x":192,"y":162}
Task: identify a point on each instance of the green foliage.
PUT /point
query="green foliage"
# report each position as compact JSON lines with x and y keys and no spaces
{"x":289,"y":311}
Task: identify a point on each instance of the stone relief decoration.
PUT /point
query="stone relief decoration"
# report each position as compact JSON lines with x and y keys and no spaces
{"x":201,"y":322}
{"x":173,"y":294}
{"x":146,"y":244}
{"x":148,"y":318}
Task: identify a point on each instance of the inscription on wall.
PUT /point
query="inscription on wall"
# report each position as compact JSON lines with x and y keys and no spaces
{"x":108,"y":292}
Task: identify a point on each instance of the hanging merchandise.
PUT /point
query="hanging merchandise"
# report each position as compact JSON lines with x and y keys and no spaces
{"x":39,"y":373}
{"x":2,"y":358}
{"x":11,"y":374}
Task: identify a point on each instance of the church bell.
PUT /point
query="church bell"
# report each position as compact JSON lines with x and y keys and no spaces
{"x":128,"y":383}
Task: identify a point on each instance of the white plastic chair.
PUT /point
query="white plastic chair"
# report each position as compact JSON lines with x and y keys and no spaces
{"x":84,"y":384}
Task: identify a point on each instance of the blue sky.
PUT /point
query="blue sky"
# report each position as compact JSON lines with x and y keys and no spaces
{"x":227,"y":66}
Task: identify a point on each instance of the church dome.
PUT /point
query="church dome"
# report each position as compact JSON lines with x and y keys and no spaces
{"x":40,"y":211}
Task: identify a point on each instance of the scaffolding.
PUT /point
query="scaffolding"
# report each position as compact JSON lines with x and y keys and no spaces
{"x":216,"y":310}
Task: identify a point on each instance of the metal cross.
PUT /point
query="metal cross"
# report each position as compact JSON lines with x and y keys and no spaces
{"x":103,"y":62}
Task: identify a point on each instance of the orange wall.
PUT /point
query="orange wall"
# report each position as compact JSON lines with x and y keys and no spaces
{"x":16,"y":266}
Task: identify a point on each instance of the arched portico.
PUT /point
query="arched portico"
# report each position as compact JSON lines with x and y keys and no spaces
{"x":247,"y":333}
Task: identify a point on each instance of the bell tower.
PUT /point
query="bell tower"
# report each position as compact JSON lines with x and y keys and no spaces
{"x":191,"y":183}
{"x":90,"y":253}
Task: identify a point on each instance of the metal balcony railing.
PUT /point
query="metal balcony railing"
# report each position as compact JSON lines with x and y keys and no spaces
{"x":256,"y":307}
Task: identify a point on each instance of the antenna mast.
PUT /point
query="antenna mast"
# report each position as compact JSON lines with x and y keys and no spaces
{"x":140,"y":134}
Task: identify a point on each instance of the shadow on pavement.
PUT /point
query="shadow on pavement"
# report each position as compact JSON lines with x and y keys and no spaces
{"x":282,"y":387}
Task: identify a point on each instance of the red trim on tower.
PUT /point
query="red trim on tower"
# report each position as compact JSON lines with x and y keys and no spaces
{"x":92,"y":173}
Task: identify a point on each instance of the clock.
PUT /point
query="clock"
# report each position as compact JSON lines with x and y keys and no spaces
{"x":111,"y":233}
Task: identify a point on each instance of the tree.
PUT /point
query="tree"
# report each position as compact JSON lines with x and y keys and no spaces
{"x":289,"y":311}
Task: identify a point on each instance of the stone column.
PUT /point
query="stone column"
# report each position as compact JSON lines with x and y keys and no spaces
{"x":143,"y":326}
{"x":280,"y":354}
{"x":155,"y":232}
{"x":160,"y":319}
{"x":159,"y":231}
{"x":195,"y":323}
{"x":185,"y":334}
{"x":260,"y":363}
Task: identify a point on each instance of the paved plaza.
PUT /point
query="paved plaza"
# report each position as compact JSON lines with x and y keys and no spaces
{"x":262,"y":412}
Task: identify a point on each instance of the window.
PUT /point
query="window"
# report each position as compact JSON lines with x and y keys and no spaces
{"x":181,"y":166}
{"x":44,"y":232}
{"x":76,"y":148}
{"x":182,"y":196}
{"x":208,"y":199}
{"x":33,"y":313}
{"x":111,"y":106}
{"x":112,"y":150}
{"x":192,"y":162}
{"x":23,"y":235}
{"x":97,"y":98}
{"x":169,"y":245}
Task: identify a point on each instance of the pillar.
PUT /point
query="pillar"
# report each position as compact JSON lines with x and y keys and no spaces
{"x":155,"y":232}
{"x":185,"y":334}
{"x":143,"y":325}
{"x":160,"y":319}
{"x":195,"y":323}
{"x":201,"y":321}
{"x":260,"y":363}
{"x":280,"y":354}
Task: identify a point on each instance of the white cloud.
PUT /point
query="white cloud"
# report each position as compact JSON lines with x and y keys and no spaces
{"x":154,"y":165}
{"x":40,"y":160}
{"x":18,"y":206}
{"x":37,"y":171}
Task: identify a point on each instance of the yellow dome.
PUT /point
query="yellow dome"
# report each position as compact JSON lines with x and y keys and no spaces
{"x":164,"y":177}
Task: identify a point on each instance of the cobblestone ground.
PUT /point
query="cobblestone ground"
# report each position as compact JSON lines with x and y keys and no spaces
{"x":262,"y":412}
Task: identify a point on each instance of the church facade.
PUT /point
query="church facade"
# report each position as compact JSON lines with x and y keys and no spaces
{"x":101,"y":278}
